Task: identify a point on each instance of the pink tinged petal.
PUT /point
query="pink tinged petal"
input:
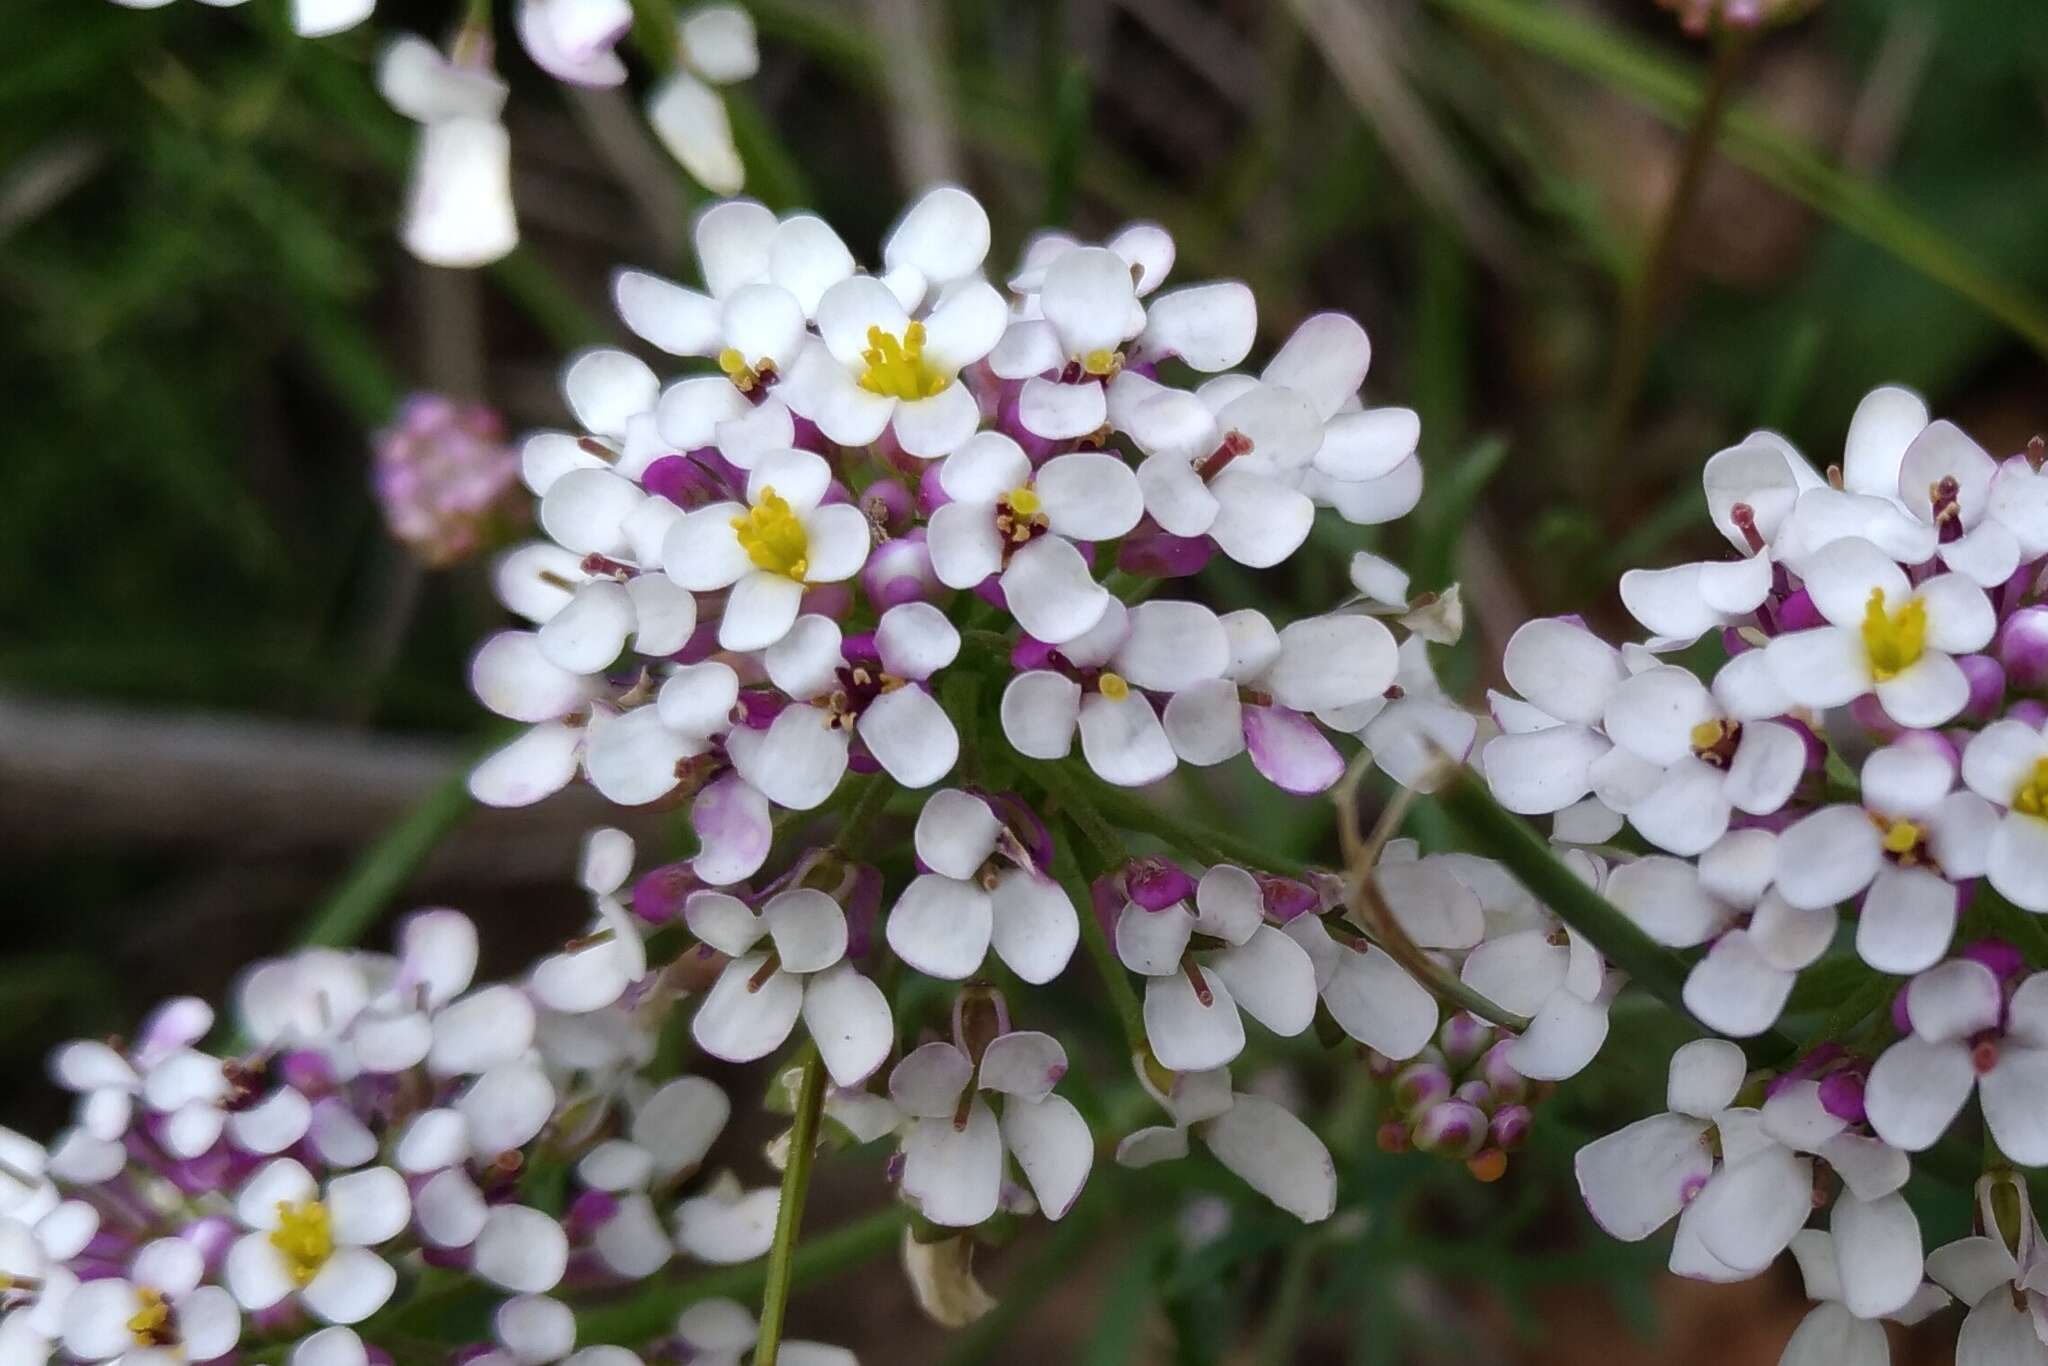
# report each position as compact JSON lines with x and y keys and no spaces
{"x":2017,"y":861}
{"x":1039,"y":711}
{"x":1061,"y":412}
{"x":521,"y":1250}
{"x":910,"y":736}
{"x":1878,"y":1246}
{"x":1053,"y":1147}
{"x":1272,"y":980}
{"x":1564,"y":669}
{"x":1288,"y":749}
{"x":1915,"y":1091}
{"x":1908,"y":921}
{"x":1209,"y":326}
{"x":1152,"y":942}
{"x":1259,"y":520}
{"x":351,"y":1285}
{"x":1954,"y":1001}
{"x":941,"y":926}
{"x":1769,"y":761}
{"x":1927,"y":693}
{"x":450,"y":1209}
{"x":1828,"y":857}
{"x":929,"y":1081}
{"x":1051,"y":592}
{"x":1734,"y":990}
{"x":1665,"y":899}
{"x":955,"y":1175}
{"x":1276,"y":1155}
{"x":931,"y":427}
{"x":734,"y":831}
{"x":1036,"y":927}
{"x":848,"y":1017}
{"x":2015,"y":1099}
{"x":1537,"y":772}
{"x":1562,"y":1038}
{"x":739,"y":1025}
{"x":1823,"y":667}
{"x":1123,"y":740}
{"x":1750,"y":1209}
{"x":1688,"y":809}
{"x":1185,"y":1034}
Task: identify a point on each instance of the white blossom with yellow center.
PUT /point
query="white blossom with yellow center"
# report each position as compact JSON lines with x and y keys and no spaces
{"x":157,"y":1312}
{"x":316,"y":1245}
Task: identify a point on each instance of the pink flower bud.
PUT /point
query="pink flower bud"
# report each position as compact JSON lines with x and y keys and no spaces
{"x":1451,"y":1129}
{"x":443,"y":474}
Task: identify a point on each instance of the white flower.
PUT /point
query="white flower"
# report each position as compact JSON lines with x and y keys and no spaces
{"x":1841,"y":1329}
{"x":2007,"y":764}
{"x":799,"y":759}
{"x":725,"y":1224}
{"x":1711,"y":757}
{"x":310,"y":18}
{"x":1738,"y":1200}
{"x":1967,"y":1037}
{"x":158,"y":1311}
{"x":108,"y":1081}
{"x":754,"y":1004}
{"x":954,"y":1147}
{"x":597,"y":970}
{"x":572,"y":40}
{"x":1909,"y":842}
{"x":670,"y":1132}
{"x":1549,"y":973}
{"x":1885,"y":635}
{"x":317,"y":1246}
{"x":715,"y":45}
{"x":723,"y":1333}
{"x":1370,"y":996}
{"x":1751,"y":489}
{"x":985,"y":888}
{"x":1996,"y":1273}
{"x":534,"y":1330}
{"x":1270,"y":1149}
{"x":769,"y":549}
{"x":1193,"y":996}
{"x":459,"y":207}
{"x":1550,"y":753}
{"x":1006,"y":519}
{"x":1865,"y":504}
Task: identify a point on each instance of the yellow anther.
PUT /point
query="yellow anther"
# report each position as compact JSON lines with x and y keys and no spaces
{"x":304,"y":1237}
{"x":1893,"y":640}
{"x":898,"y":369}
{"x":1102,"y":363}
{"x":1113,"y":687}
{"x":1023,"y":501}
{"x":1901,"y":837}
{"x":150,"y":1325}
{"x":2032,"y":797}
{"x":745,"y":377}
{"x":1707,"y":734}
{"x":774,"y":537}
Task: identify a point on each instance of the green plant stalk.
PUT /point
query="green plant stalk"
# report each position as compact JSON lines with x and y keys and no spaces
{"x":1085,"y":823}
{"x":1759,"y":146}
{"x":1214,"y":846}
{"x":651,"y":1311}
{"x":1636,"y":329}
{"x":789,"y":1214}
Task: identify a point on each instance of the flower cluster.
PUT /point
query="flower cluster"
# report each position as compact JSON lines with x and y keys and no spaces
{"x":444,"y":476}
{"x":1870,"y":750}
{"x":381,"y":1119}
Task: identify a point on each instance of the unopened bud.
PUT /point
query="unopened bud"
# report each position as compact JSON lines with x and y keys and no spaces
{"x":1451,"y":1129}
{"x":1508,"y":1086}
{"x":1510,"y":1127}
{"x":1420,"y":1086}
{"x":1464,"y":1037}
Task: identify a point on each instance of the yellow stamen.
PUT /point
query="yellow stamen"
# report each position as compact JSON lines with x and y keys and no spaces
{"x":304,"y":1237}
{"x":2032,"y":798}
{"x":1102,"y":363}
{"x":1901,"y":837}
{"x":150,"y":1325}
{"x":744,"y":377}
{"x":1893,"y":640}
{"x":1707,"y":734}
{"x":1023,"y":501}
{"x":1113,"y":687}
{"x":774,"y":537}
{"x":898,"y":369}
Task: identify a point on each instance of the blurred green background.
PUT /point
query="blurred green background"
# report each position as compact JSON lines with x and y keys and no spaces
{"x":220,"y":682}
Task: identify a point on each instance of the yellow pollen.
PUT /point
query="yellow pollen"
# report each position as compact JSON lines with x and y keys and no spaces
{"x":1901,"y":837}
{"x":1023,"y":501}
{"x":1113,"y":687}
{"x":1893,"y":640}
{"x":150,"y":1325}
{"x":774,"y":537}
{"x":304,"y":1237}
{"x":1707,"y":734}
{"x":1102,"y":362}
{"x":898,"y":369}
{"x":2032,"y":798}
{"x":744,"y":377}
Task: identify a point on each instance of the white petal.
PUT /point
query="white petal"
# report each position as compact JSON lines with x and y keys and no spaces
{"x":1878,"y":1246}
{"x":521,"y":1250}
{"x":1277,"y":1156}
{"x":1185,"y":1034}
{"x":353,"y":1284}
{"x":1060,"y":412}
{"x":941,"y":927}
{"x":1209,"y":326}
{"x":459,"y":210}
{"x":1915,"y":1089}
{"x":1053,"y":1147}
{"x":1123,"y":740}
{"x":848,"y":1017}
{"x":955,"y":1175}
{"x":690,"y":119}
{"x":1039,"y":711}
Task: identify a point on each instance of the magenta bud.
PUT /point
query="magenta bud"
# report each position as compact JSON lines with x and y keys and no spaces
{"x":1108,"y":901}
{"x":2023,"y":649}
{"x":1987,"y":687}
{"x":1869,"y":713}
{"x":2005,"y":960}
{"x":931,"y":494}
{"x":659,"y":895}
{"x":1287,"y":898}
{"x":1156,"y":884}
{"x":834,"y":600}
{"x":2031,"y":712}
{"x":1797,"y":613}
{"x":1508,"y":1086}
{"x":1464,"y":1037}
{"x":1420,"y":1086}
{"x":1475,"y":1093}
{"x":900,"y":571}
{"x":212,"y":1234}
{"x":1152,"y":553}
{"x":1509,"y":1128}
{"x":890,"y":504}
{"x":1451,"y":1129}
{"x":1841,"y":1095}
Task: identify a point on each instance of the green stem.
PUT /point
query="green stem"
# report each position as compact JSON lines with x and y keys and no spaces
{"x":383,"y":870}
{"x":651,"y":1311}
{"x":867,"y":808}
{"x":1084,"y":822}
{"x":789,"y":1214}
{"x":1635,"y":331}
{"x":1192,"y":837}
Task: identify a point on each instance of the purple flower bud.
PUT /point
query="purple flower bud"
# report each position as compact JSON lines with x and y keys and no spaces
{"x":2005,"y":961}
{"x":212,"y":1234}
{"x":1510,"y":1126}
{"x":1841,"y":1095}
{"x":1464,"y":1036}
{"x":443,"y":474}
{"x":900,"y":571}
{"x":588,"y":1212}
{"x":1420,"y":1086}
{"x":931,"y":494}
{"x":1902,"y":1019}
{"x":687,"y":481}
{"x":2023,"y":649}
{"x":1107,"y":898}
{"x":1153,"y":553}
{"x":1508,"y":1086}
{"x":863,"y":903}
{"x":1987,"y":687}
{"x":890,"y":503}
{"x":1451,"y":1129}
{"x":1869,"y":713}
{"x":659,"y":895}
{"x":834,"y":600}
{"x":1287,"y":898}
{"x":1155,"y":883}
{"x":2028,"y":710}
{"x":1797,"y":613}
{"x":1476,"y":1094}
